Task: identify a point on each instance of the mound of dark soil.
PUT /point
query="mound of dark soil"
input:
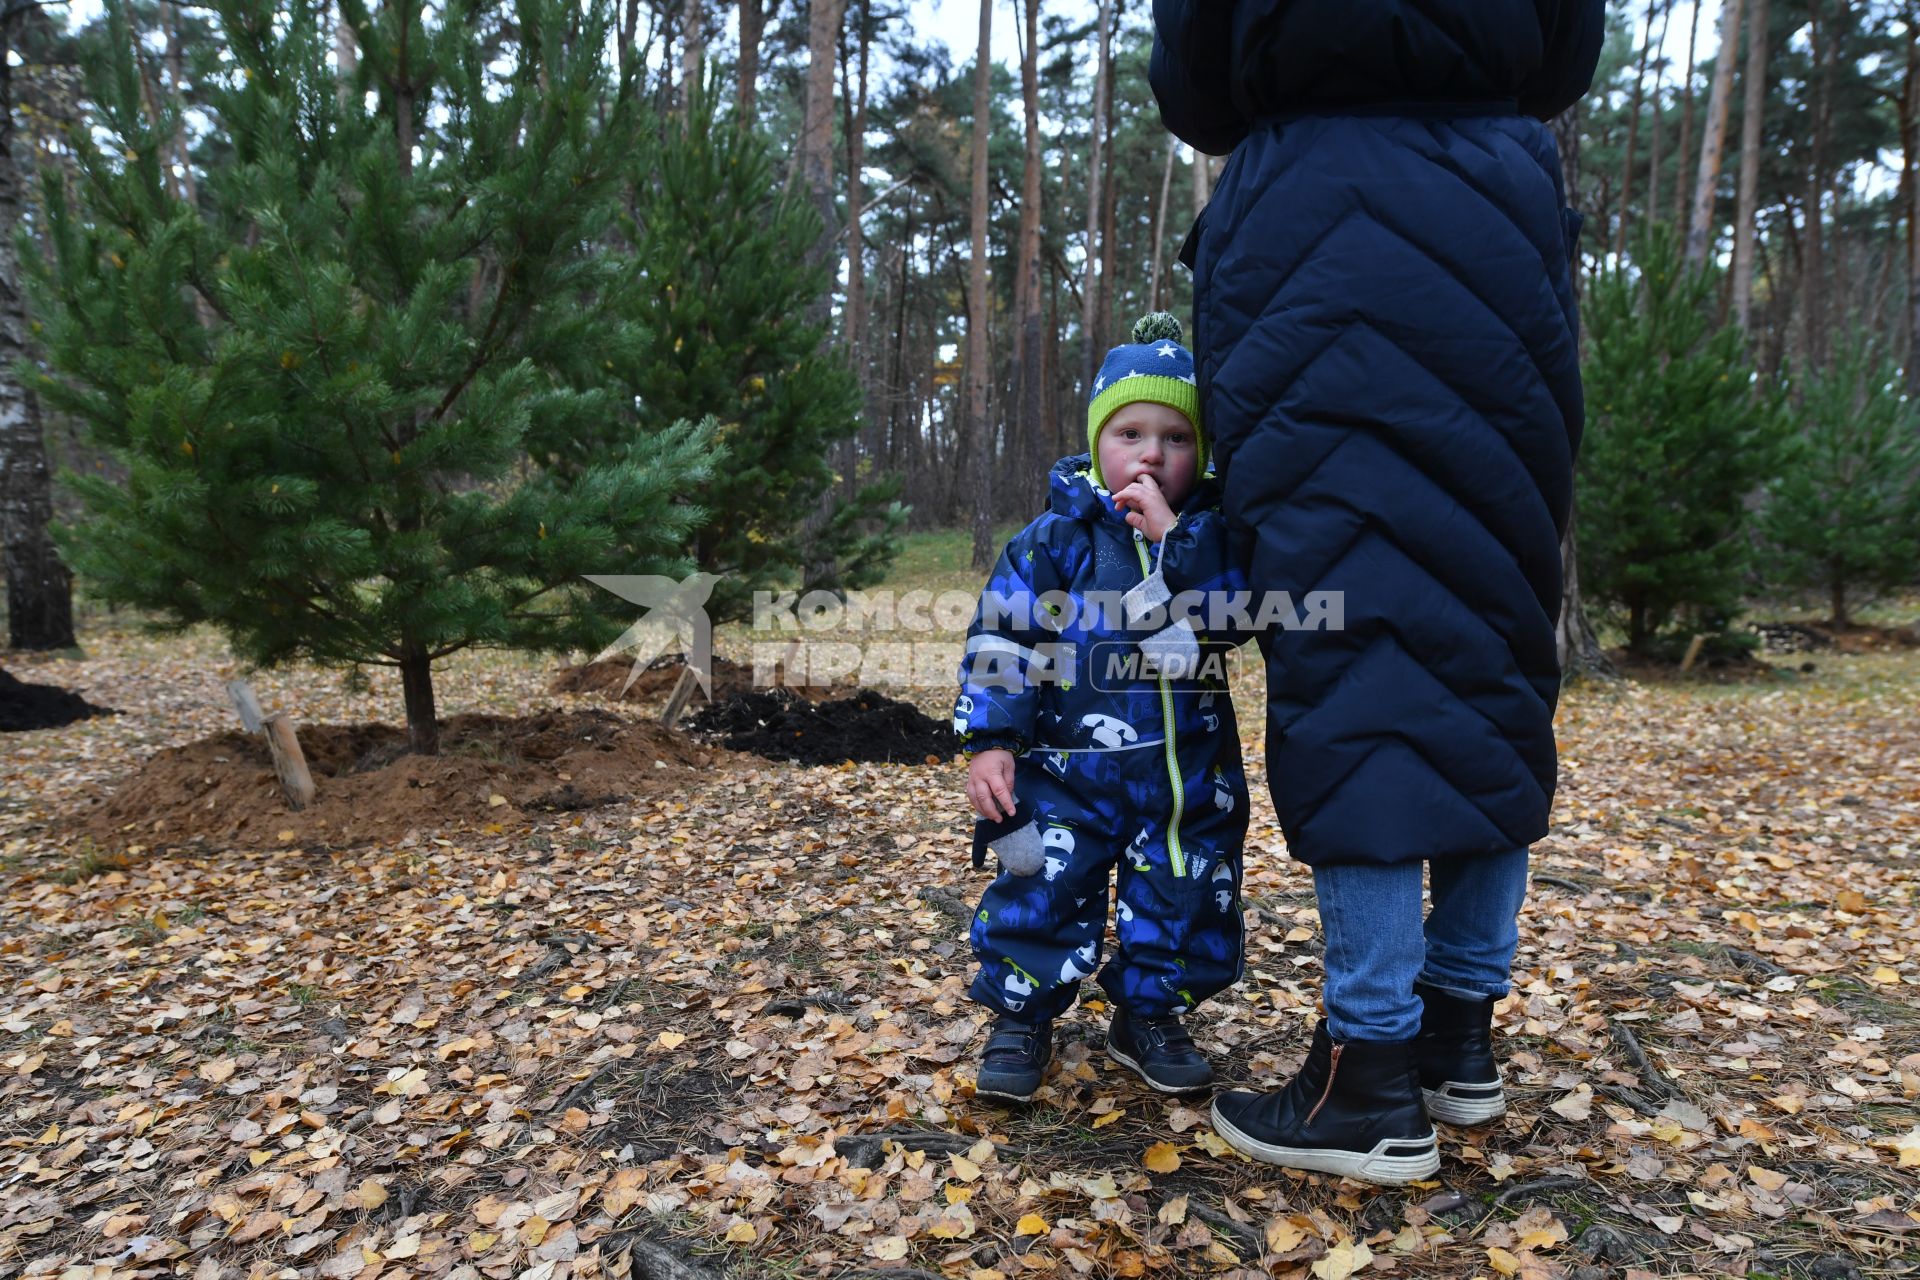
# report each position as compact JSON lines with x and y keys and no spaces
{"x":869,"y":727}
{"x":491,"y":771}
{"x":26,"y":706}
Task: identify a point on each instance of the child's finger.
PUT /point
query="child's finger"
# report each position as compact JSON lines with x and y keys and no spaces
{"x":1002,"y":794}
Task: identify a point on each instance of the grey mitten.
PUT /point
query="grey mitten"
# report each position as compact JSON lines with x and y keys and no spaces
{"x":1173,"y":651}
{"x":1022,"y":852}
{"x":1015,"y":838}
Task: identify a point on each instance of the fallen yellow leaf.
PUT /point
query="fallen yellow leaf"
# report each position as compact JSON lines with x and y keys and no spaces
{"x":1283,"y":1236}
{"x":1035,"y":1225}
{"x":742,"y":1233}
{"x":1503,"y":1262}
{"x":1161,"y":1158}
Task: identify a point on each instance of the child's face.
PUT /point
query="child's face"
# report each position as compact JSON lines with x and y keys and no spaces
{"x":1144,"y":438}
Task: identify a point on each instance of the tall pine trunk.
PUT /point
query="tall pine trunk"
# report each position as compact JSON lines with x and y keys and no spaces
{"x":1109,"y":240}
{"x":1910,"y":175}
{"x":1824,"y":40}
{"x":753,"y":21}
{"x":1745,"y":230}
{"x":1686,"y":120}
{"x":980,"y":478}
{"x":816,"y":141}
{"x":1633,"y":138}
{"x":1576,"y":645}
{"x":346,"y":54}
{"x":1096,"y":141}
{"x":39,"y":588}
{"x":1027,"y":417}
{"x":1658,"y":144}
{"x":693,"y":68}
{"x":1713,"y":139}
{"x":853,"y":96}
{"x":1160,"y":224}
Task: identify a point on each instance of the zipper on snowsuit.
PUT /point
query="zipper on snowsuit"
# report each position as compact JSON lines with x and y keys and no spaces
{"x":1175,"y":854}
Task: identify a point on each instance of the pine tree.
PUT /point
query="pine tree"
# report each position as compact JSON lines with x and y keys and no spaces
{"x":365,"y":395}
{"x":1844,"y":513}
{"x":723,"y":291}
{"x":1680,"y":435}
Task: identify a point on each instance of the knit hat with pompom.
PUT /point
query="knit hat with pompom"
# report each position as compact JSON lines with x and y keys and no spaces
{"x":1153,"y":367}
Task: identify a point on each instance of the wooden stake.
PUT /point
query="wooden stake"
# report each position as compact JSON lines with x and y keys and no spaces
{"x":289,"y":762}
{"x":1693,"y":652}
{"x":677,"y":700}
{"x":246,"y":704}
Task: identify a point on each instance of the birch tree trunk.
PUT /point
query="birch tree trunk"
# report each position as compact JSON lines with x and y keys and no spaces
{"x":980,"y":479}
{"x":1714,"y":135}
{"x":1745,"y":231}
{"x":39,"y":588}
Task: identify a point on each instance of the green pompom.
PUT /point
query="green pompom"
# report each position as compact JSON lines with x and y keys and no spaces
{"x":1157,"y":326}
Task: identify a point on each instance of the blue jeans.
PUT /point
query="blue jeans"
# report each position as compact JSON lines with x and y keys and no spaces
{"x":1378,"y":945}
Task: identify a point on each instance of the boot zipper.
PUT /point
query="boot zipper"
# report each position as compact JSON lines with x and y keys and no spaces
{"x":1333,"y":1069}
{"x":1175,"y":854}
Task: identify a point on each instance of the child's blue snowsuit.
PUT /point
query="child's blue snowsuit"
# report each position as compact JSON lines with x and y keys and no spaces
{"x":1121,"y":767}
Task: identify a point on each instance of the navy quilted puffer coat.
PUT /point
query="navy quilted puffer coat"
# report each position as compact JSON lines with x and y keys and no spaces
{"x":1385,"y":336}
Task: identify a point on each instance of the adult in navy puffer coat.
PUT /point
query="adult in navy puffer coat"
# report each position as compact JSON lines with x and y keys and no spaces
{"x":1385,"y":335}
{"x":1118,"y":767}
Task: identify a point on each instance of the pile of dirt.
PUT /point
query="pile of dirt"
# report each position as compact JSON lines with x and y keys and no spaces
{"x":492,"y":771}
{"x":26,"y":706}
{"x":868,"y":727}
{"x":654,"y":683}
{"x":1804,"y":637}
{"x":1716,"y":668}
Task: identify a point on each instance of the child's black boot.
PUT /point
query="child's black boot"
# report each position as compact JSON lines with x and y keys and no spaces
{"x":1355,"y":1110}
{"x":1458,"y":1074}
{"x":1015,"y":1059}
{"x":1159,"y":1051}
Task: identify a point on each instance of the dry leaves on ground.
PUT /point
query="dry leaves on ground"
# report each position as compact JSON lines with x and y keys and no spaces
{"x":724,"y":1027}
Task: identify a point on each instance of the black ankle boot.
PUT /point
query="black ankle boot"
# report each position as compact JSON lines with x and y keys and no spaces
{"x":1355,"y":1109}
{"x":1015,"y":1059}
{"x":1159,"y":1051}
{"x":1458,"y":1074}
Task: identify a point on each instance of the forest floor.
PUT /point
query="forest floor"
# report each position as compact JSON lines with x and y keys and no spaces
{"x":719,"y":1029}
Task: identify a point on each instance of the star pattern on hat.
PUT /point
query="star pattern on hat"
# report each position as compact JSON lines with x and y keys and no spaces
{"x":1167,"y":350}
